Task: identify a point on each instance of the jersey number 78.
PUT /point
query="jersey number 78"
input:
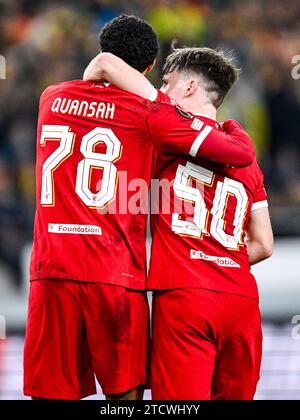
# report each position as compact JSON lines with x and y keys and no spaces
{"x":90,"y":160}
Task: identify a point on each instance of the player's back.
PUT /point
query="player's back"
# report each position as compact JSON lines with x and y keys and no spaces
{"x":91,"y":144}
{"x":200,"y":242}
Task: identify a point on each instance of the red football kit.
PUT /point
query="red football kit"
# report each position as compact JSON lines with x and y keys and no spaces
{"x":94,"y":142}
{"x":203,"y":233}
{"x":206,"y":321}
{"x":85,"y":148}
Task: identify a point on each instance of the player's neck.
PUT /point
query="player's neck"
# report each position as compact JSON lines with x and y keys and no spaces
{"x":207,"y":110}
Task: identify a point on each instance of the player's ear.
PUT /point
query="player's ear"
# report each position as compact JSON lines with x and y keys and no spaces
{"x":191,"y":86}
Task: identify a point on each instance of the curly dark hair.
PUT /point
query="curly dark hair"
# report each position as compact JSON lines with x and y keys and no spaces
{"x":131,"y":39}
{"x":216,"y":69}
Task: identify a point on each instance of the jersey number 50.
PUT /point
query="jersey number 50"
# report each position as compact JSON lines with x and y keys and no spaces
{"x":91,"y":160}
{"x":198,"y":227}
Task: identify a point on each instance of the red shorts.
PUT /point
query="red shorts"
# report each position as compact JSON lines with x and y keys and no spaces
{"x":76,"y":330}
{"x":206,"y":345}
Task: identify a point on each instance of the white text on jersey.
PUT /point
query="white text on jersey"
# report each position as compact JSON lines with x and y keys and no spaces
{"x":98,"y":110}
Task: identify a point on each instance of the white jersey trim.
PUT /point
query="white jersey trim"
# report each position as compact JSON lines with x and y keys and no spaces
{"x":199,"y":140}
{"x":153,"y":95}
{"x":259,"y":205}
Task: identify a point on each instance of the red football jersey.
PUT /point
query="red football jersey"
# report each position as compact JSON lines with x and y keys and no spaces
{"x":198,"y":241}
{"x":94,"y":154}
{"x":90,"y":137}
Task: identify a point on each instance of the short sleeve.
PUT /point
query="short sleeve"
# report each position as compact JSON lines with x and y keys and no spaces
{"x":260,"y":199}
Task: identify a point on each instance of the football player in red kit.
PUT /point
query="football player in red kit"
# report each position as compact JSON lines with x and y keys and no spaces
{"x":88,"y":311}
{"x":207,"y":338}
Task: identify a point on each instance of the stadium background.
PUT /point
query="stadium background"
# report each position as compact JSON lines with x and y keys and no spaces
{"x":45,"y":42}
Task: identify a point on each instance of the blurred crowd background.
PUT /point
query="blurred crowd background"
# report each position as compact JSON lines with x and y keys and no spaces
{"x":45,"y":42}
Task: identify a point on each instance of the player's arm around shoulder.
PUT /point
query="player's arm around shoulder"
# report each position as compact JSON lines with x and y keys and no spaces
{"x":110,"y":68}
{"x":180,"y":132}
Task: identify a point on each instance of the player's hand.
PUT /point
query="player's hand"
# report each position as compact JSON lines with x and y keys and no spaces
{"x":95,"y":71}
{"x":229,"y":125}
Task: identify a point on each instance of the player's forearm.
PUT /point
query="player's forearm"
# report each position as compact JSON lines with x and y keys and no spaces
{"x":234,"y":147}
{"x":111,"y":68}
{"x":258,"y":251}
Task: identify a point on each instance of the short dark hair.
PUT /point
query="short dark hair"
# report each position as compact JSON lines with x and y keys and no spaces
{"x":216,"y":69}
{"x":131,"y":39}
